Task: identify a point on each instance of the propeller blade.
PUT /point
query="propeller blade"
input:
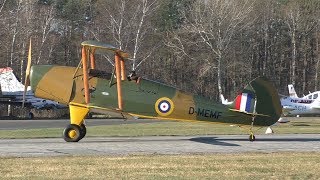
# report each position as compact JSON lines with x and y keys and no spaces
{"x":27,"y":78}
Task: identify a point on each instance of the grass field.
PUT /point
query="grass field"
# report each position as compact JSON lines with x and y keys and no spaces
{"x":288,"y":165}
{"x":296,"y":125}
{"x":206,"y":166}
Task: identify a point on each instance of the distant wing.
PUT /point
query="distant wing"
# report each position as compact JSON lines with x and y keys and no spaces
{"x":288,"y":108}
{"x":281,"y":95}
{"x":315,"y":107}
{"x":225,"y":101}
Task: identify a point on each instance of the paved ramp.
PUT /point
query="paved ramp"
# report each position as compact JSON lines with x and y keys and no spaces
{"x":160,"y":145}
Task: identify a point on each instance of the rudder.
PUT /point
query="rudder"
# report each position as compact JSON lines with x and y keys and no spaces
{"x":260,"y":99}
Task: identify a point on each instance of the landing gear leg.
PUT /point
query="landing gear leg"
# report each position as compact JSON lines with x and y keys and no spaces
{"x":76,"y":130}
{"x":251,"y":136}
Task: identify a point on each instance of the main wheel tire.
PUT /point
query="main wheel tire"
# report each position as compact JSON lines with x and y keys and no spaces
{"x":72,"y":133}
{"x":252,"y":137}
{"x":30,"y":115}
{"x":83,"y":131}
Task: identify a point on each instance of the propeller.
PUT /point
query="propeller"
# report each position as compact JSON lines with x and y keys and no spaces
{"x":27,"y":78}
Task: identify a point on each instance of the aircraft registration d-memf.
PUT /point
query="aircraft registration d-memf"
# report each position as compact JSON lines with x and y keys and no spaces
{"x":86,"y":89}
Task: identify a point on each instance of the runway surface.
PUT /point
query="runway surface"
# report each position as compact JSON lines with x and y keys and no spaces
{"x":160,"y":145}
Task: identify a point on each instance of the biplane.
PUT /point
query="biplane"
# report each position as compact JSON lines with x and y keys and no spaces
{"x":86,"y":89}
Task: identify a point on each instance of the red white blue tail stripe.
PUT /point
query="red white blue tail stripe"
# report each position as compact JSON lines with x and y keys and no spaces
{"x":245,"y":102}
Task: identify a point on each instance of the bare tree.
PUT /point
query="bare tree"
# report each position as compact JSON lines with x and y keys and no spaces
{"x":301,"y":22}
{"x":127,"y":24}
{"x":293,"y":15}
{"x":211,"y":25}
{"x":144,"y":9}
{"x":15,"y":30}
{"x":45,"y":22}
{"x":3,"y":2}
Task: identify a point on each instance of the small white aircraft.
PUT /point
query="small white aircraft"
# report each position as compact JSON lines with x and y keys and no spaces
{"x":293,"y":105}
{"x":12,"y":92}
{"x":311,"y":95}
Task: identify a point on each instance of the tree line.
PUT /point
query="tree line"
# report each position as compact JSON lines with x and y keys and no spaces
{"x":207,"y":47}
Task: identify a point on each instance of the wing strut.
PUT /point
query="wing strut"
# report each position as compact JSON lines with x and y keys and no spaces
{"x":119,"y":70}
{"x":85,"y":75}
{"x":88,"y":60}
{"x":92,"y":60}
{"x":123,"y":71}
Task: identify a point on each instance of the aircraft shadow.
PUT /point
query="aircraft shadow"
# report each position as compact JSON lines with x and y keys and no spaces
{"x":288,"y":139}
{"x":222,"y":141}
{"x":207,"y":140}
{"x":212,"y":141}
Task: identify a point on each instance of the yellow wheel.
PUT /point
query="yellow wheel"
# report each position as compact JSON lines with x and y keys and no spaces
{"x":72,"y":133}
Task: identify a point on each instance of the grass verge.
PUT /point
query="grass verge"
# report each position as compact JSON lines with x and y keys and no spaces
{"x":297,"y":125}
{"x":207,"y":166}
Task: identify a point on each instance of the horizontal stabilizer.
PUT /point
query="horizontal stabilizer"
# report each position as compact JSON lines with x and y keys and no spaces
{"x":252,"y":114}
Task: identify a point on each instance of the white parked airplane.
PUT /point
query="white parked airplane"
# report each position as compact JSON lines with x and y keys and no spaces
{"x":12,"y":92}
{"x":293,"y":93}
{"x":308,"y":104}
{"x":293,"y":105}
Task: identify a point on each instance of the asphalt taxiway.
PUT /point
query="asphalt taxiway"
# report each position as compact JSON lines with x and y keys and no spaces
{"x":160,"y":145}
{"x":146,"y":145}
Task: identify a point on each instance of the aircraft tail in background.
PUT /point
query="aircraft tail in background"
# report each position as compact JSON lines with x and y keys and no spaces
{"x":224,"y":101}
{"x":10,"y":86}
{"x":12,"y":92}
{"x":292,"y":91}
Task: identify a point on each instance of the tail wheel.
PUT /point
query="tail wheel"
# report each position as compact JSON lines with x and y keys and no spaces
{"x":252,"y":137}
{"x":72,"y":133}
{"x":83,"y":131}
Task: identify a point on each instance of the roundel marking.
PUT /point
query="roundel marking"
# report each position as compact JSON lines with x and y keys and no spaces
{"x":164,"y":106}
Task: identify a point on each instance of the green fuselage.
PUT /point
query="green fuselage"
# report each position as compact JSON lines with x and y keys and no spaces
{"x":140,"y":97}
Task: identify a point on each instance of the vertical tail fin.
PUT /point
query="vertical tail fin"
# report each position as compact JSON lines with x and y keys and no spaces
{"x":259,"y":98}
{"x":9,"y":83}
{"x":292,"y":92}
